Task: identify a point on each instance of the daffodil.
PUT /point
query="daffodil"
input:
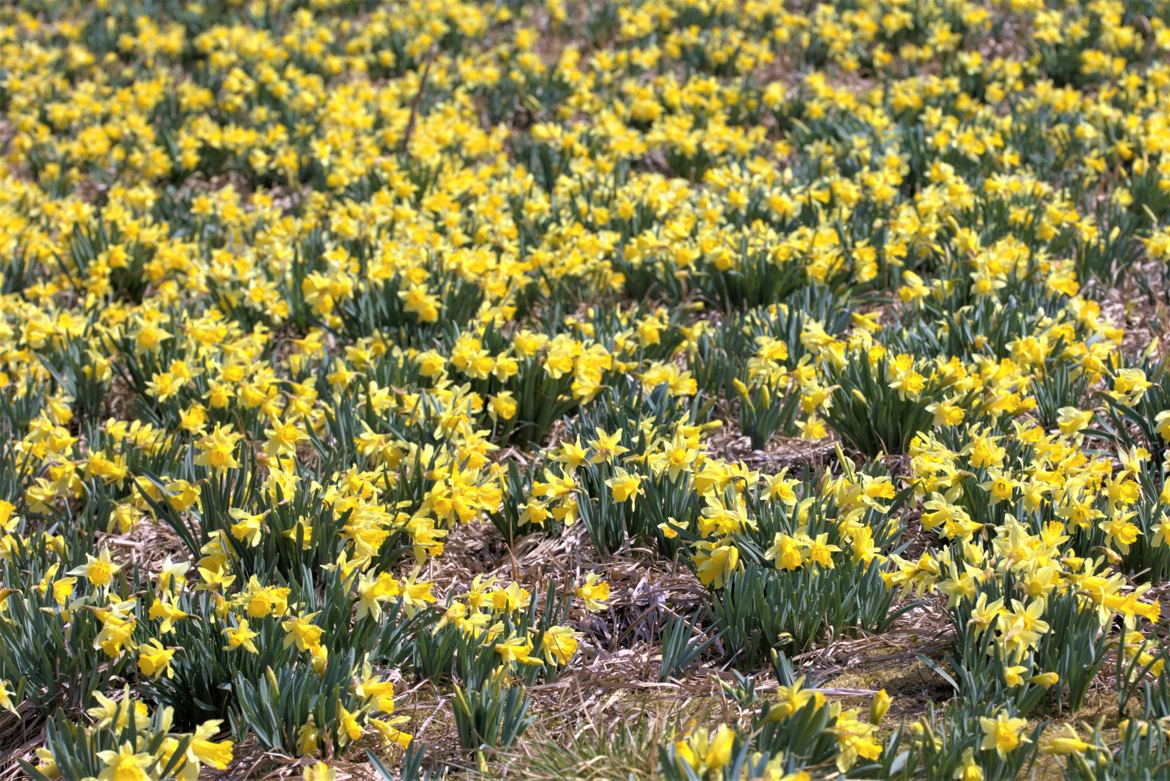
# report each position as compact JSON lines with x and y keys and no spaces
{"x":1002,"y":733}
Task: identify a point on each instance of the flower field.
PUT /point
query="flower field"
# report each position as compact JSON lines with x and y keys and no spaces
{"x":688,"y":390}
